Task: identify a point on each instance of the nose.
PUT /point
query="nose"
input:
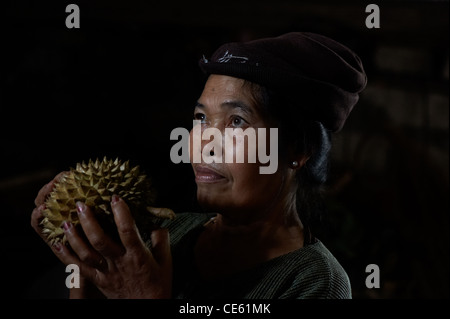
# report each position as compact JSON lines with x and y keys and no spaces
{"x":212,"y":144}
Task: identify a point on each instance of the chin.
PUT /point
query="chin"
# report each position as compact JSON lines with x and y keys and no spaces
{"x":210,"y":202}
{"x":207,"y":202}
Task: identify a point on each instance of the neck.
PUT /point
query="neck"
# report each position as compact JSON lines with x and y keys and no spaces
{"x":284,"y":232}
{"x":239,"y":239}
{"x":228,"y":245}
{"x":276,"y":221}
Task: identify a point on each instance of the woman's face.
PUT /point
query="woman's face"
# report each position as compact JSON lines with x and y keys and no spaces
{"x":232,"y":188}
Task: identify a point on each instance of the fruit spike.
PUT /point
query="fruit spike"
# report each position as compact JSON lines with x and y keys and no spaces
{"x":94,"y":184}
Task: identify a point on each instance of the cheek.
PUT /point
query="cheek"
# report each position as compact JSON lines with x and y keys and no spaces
{"x":249,"y":186}
{"x":240,"y":147}
{"x":243,"y":173}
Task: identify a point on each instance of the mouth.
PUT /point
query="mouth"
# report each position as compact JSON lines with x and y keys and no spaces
{"x":205,"y":174}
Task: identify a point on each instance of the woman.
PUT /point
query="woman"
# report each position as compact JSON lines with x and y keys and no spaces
{"x":255,"y":239}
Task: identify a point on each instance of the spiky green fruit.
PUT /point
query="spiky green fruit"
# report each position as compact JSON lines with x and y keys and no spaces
{"x":94,"y":184}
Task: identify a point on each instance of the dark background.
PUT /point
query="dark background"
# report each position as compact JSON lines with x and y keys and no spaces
{"x":122,"y":82}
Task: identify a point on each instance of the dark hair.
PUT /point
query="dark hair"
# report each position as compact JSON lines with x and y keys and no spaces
{"x":301,"y":135}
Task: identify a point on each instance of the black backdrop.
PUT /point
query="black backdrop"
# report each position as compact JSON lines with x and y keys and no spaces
{"x":122,"y":82}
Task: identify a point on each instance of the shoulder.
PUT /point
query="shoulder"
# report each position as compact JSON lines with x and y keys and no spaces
{"x":318,"y":274}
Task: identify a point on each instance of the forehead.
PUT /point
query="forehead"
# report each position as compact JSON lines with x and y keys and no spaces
{"x":221,"y":88}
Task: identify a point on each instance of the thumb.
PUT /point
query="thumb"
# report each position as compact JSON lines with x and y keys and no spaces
{"x":160,"y":239}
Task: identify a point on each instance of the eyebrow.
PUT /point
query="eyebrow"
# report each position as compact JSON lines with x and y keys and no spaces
{"x":233,"y":104}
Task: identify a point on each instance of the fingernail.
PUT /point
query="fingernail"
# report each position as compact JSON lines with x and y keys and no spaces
{"x":67,"y":225}
{"x":81,"y":207}
{"x":115,"y":199}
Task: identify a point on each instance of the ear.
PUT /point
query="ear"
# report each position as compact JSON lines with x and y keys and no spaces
{"x":297,"y":162}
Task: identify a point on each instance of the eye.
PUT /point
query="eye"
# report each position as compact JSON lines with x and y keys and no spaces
{"x":238,"y":121}
{"x":199,"y":117}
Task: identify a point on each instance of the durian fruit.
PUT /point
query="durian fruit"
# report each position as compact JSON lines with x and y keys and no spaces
{"x":94,"y":184}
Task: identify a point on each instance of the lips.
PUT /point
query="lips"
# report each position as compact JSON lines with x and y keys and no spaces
{"x":204,"y":174}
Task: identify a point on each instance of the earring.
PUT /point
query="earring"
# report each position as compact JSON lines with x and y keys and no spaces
{"x":294,"y":164}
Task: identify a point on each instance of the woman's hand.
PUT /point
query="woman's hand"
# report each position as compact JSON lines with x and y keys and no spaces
{"x":127,"y":269}
{"x":87,"y":289}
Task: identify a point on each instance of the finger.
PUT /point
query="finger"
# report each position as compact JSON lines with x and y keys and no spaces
{"x":65,"y":254}
{"x":36,"y":218}
{"x":43,"y":193}
{"x":161,"y":247}
{"x":67,"y":257}
{"x":47,"y":189}
{"x":126,"y":226}
{"x":95,"y":234}
{"x":81,"y":248}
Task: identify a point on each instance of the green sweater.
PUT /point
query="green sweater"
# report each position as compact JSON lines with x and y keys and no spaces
{"x":309,"y":272}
